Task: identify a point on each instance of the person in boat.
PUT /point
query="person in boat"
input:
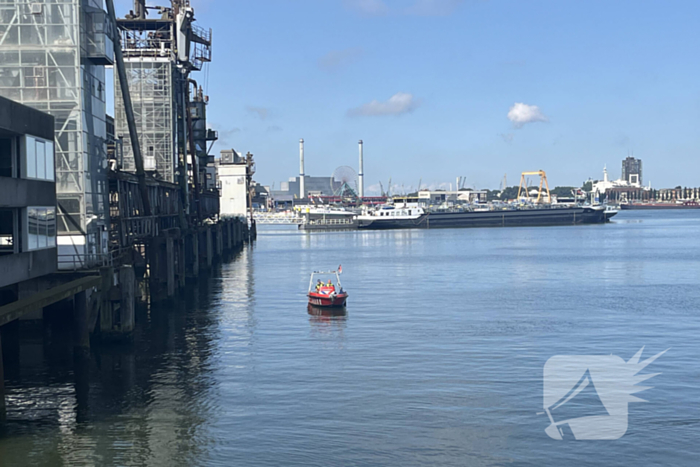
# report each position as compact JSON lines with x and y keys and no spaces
{"x":319,"y":284}
{"x":330,"y":285}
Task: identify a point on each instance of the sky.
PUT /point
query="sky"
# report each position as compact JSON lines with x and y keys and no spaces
{"x":443,"y":88}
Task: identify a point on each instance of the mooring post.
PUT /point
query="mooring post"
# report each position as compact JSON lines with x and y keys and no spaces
{"x":81,"y":330}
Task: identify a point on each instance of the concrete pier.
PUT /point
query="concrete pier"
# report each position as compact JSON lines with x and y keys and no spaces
{"x":103,"y":301}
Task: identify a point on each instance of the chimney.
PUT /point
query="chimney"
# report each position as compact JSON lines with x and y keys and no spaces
{"x":361,"y":175}
{"x":302,"y":191}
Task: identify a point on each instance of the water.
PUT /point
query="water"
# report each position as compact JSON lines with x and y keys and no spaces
{"x":438,"y":361}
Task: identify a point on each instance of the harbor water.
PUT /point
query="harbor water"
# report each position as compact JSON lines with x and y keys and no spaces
{"x":438,"y":361}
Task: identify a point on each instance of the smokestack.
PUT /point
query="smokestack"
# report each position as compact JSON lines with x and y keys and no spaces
{"x":361,"y":175}
{"x":302,"y":191}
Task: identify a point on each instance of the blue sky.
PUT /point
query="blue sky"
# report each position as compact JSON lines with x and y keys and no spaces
{"x":442,"y":88}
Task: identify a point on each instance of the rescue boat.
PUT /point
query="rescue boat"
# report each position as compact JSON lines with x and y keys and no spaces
{"x":327,"y":295}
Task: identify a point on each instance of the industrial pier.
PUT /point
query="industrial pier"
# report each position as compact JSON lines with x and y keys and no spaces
{"x":100,"y":214}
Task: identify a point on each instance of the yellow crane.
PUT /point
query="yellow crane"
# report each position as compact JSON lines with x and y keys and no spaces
{"x":543,"y":178}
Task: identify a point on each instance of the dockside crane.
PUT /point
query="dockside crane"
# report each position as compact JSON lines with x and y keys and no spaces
{"x":543,"y":179}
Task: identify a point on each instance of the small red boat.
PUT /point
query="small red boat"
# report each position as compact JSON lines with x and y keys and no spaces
{"x":327,"y":294}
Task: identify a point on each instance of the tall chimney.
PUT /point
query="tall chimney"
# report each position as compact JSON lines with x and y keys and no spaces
{"x":302,"y":191}
{"x":361,"y":175}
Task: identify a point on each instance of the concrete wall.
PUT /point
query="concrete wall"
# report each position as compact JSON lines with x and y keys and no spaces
{"x":19,"y":193}
{"x":28,"y":265}
{"x":20,"y":119}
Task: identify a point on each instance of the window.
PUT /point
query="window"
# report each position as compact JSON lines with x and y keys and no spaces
{"x":38,"y":158}
{"x":40,"y":225}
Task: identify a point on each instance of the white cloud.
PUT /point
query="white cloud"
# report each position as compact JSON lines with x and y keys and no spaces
{"x":260,"y":112}
{"x":337,"y":59}
{"x":368,"y":7}
{"x":399,"y":103}
{"x":521,"y":114}
{"x":433,"y":7}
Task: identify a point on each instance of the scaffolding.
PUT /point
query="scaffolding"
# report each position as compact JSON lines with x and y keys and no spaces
{"x":151,"y":87}
{"x":159,"y":54}
{"x":52,"y":58}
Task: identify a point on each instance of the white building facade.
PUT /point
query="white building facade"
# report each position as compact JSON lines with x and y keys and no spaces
{"x":233,"y":177}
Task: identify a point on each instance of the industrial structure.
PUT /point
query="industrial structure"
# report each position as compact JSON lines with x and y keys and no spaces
{"x":344,"y":185}
{"x":99,"y":214}
{"x":53,"y":57}
{"x":360,"y":175}
{"x":235,"y":173}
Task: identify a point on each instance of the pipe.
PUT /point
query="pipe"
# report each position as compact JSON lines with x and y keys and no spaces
{"x":129,"y":110}
{"x":302,"y":191}
{"x":361,"y":175}
{"x":139,"y":9}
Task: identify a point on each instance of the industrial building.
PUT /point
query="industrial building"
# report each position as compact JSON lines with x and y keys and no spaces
{"x":53,"y":57}
{"x":235,"y":174}
{"x":314,"y":186}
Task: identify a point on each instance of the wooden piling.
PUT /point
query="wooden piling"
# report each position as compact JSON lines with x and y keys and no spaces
{"x":81,"y":330}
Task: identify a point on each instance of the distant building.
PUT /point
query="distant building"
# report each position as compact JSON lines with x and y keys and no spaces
{"x":631,"y":180}
{"x":439,"y":197}
{"x":632,"y":171}
{"x":314,"y":186}
{"x":27,"y":197}
{"x":233,"y":180}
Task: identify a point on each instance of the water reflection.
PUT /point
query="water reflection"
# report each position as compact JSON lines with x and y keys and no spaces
{"x":144,"y":403}
{"x":328,"y":313}
{"x":328,"y":324}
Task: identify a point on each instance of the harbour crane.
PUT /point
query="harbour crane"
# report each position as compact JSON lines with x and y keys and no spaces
{"x":543,"y":179}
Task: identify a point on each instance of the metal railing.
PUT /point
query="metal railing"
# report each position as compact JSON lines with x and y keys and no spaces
{"x":77,"y":261}
{"x":277,"y":218}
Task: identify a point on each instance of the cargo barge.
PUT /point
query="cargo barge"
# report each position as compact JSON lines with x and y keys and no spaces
{"x":686,"y":205}
{"x":547,"y":215}
{"x":540,"y":216}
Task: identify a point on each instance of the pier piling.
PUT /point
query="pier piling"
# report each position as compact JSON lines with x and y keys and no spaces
{"x":81,"y":330}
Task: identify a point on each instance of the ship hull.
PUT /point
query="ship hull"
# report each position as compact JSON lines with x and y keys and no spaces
{"x":519,"y":218}
{"x":627,"y":207}
{"x":389,"y":223}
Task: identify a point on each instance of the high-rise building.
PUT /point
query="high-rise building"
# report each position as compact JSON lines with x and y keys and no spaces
{"x":53,"y":55}
{"x":632,"y":171}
